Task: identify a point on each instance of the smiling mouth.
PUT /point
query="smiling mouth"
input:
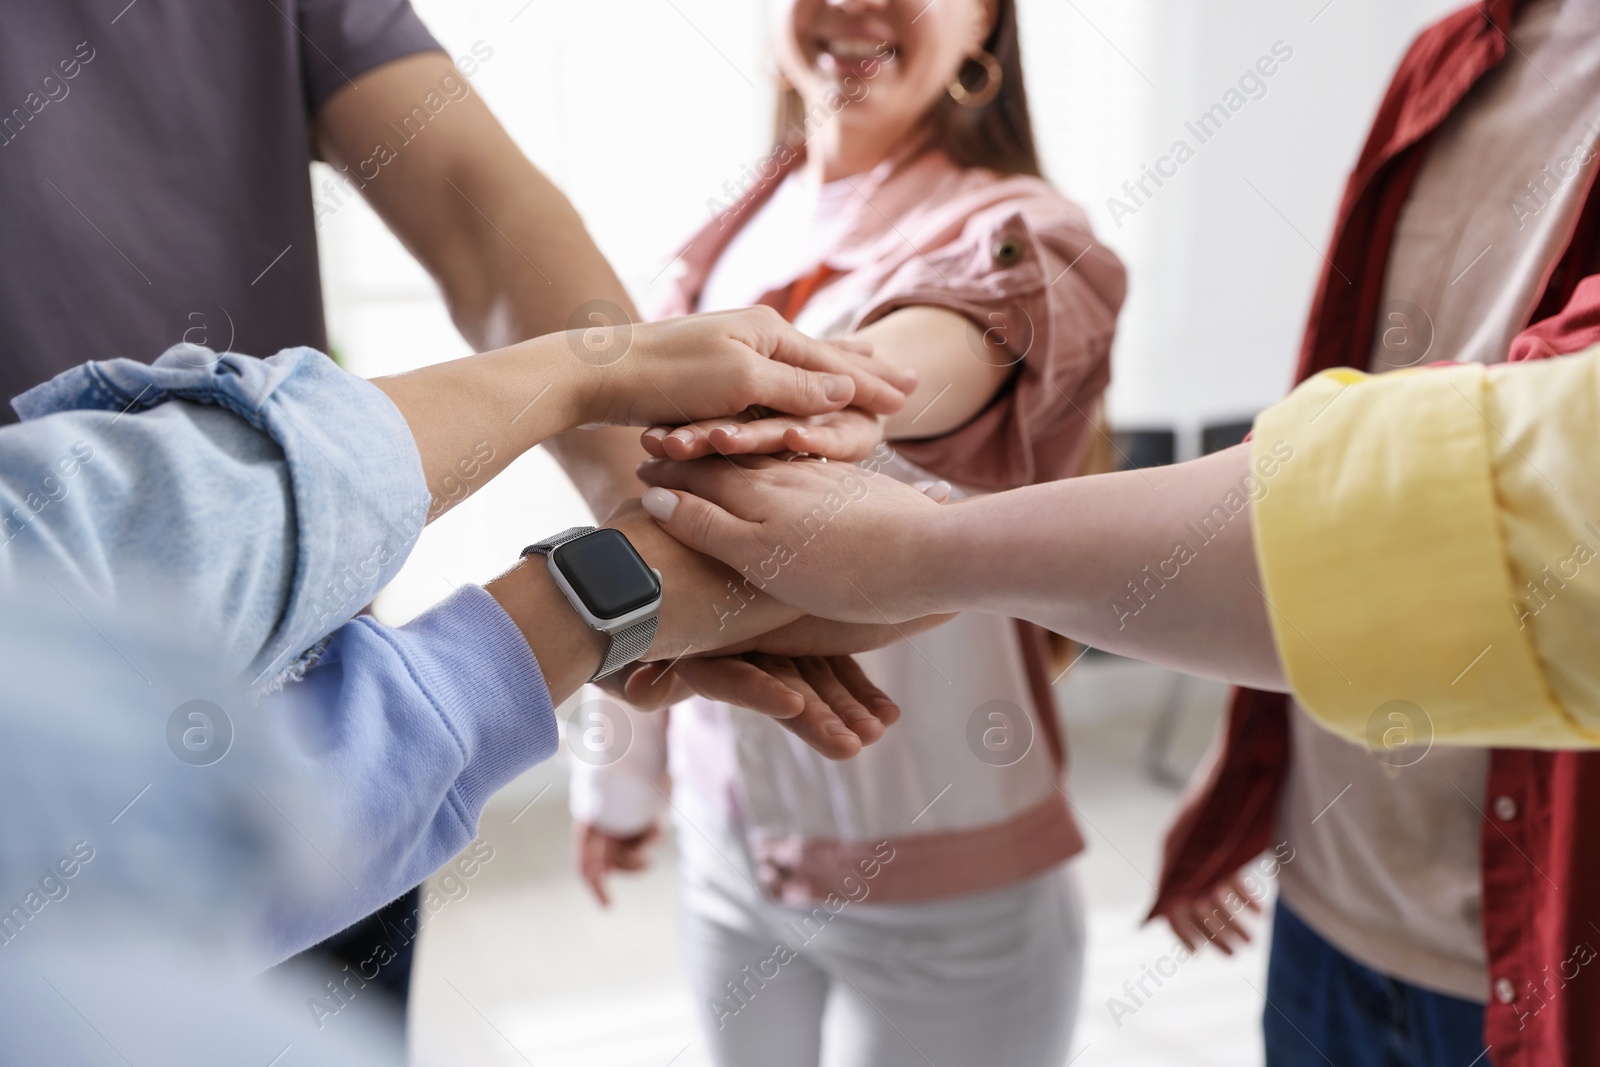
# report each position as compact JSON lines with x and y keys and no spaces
{"x":854,"y":52}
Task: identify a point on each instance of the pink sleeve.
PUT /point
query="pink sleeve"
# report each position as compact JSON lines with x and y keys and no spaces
{"x":1031,"y":275}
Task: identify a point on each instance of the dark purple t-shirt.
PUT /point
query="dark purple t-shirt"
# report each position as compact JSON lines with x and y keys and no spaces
{"x":153,"y":183}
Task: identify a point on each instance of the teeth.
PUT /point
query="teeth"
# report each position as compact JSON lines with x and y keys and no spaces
{"x":856,"y":48}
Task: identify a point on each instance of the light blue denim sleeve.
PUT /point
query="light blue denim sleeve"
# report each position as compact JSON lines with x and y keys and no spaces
{"x":254,"y":506}
{"x":267,"y":505}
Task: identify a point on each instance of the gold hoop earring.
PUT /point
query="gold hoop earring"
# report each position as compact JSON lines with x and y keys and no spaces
{"x":993,"y":76}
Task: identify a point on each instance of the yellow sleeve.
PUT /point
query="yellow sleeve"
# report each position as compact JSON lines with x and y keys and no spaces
{"x":1398,"y":540}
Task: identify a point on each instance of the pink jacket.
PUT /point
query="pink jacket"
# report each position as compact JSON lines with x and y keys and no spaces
{"x":967,"y":787}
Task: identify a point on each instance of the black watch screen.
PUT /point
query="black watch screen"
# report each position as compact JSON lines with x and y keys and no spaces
{"x":607,"y":573}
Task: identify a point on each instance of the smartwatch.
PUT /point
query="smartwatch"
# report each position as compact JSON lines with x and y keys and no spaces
{"x":609,"y":585}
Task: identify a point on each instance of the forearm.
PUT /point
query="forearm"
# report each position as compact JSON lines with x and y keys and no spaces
{"x":602,"y":462}
{"x":527,"y":265}
{"x":472,"y":417}
{"x":509,"y":253}
{"x":533,"y":275}
{"x":1151,"y":564}
{"x":568,"y":651}
{"x":954,"y":383}
{"x":525,"y":278}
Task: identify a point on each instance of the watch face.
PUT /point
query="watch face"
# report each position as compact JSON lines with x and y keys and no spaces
{"x":607,"y":574}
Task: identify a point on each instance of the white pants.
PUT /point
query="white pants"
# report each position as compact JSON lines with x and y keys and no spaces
{"x":985,"y":980}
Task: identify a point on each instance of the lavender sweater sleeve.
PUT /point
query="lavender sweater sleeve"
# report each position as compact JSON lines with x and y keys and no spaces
{"x":404,"y":733}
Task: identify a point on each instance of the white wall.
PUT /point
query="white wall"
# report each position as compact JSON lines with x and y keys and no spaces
{"x":642,"y":109}
{"x":1220,"y":281}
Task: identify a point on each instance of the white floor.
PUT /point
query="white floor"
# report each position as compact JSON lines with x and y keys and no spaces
{"x":523,"y":969}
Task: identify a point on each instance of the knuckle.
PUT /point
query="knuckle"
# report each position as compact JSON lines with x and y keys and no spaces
{"x":806,"y":385}
{"x":699,"y":525}
{"x":747,"y":380}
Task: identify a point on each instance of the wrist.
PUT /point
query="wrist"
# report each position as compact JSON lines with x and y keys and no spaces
{"x":568,"y":650}
{"x":944,"y":564}
{"x":541,"y":388}
{"x":704,"y":604}
{"x":592,"y":361}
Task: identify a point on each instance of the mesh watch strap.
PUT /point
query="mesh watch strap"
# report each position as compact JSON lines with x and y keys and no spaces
{"x":626,"y":646}
{"x":622,"y":647}
{"x":571,"y":533}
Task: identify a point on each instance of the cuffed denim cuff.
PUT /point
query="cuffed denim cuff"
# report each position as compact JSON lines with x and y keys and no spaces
{"x":360,"y":495}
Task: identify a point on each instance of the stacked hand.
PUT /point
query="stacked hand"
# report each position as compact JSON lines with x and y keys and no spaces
{"x":834,"y":540}
{"x":847,"y":434}
{"x":696,"y":373}
{"x":708,"y":367}
{"x":491,"y":408}
{"x":799,"y":671}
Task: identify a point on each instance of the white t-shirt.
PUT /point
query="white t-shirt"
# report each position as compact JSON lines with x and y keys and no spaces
{"x":788,"y":238}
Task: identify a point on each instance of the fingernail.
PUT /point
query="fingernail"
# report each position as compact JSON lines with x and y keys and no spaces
{"x":683,"y":435}
{"x":837,"y":388}
{"x":731,"y":430}
{"x":659,"y":503}
{"x":656,"y":433}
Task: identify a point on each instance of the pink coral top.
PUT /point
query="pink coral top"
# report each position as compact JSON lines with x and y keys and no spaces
{"x":966,"y":788}
{"x":1007,"y":251}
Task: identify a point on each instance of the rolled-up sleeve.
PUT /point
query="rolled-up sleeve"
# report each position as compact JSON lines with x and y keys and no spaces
{"x":1029,"y":273}
{"x":1433,"y":537}
{"x":178,"y":488}
{"x":347,"y":38}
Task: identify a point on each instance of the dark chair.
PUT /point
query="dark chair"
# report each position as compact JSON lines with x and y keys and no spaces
{"x":1145,"y":448}
{"x":1216,"y":437}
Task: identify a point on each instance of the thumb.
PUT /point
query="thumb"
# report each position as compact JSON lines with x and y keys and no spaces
{"x":699,"y":524}
{"x":795,"y":390}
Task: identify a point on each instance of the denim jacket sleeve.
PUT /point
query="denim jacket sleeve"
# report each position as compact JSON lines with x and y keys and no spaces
{"x":258,"y":505}
{"x":270,"y":508}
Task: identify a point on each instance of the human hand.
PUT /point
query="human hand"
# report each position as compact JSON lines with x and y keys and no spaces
{"x":598,"y":853}
{"x":1215,"y":917}
{"x":705,"y":606}
{"x":716,"y":365}
{"x":798,"y":676}
{"x":849,"y":435}
{"x":813,"y":636}
{"x":826,"y":701}
{"x":832,"y":539}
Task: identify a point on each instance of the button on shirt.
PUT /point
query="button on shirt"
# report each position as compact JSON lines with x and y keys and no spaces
{"x":153,"y":158}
